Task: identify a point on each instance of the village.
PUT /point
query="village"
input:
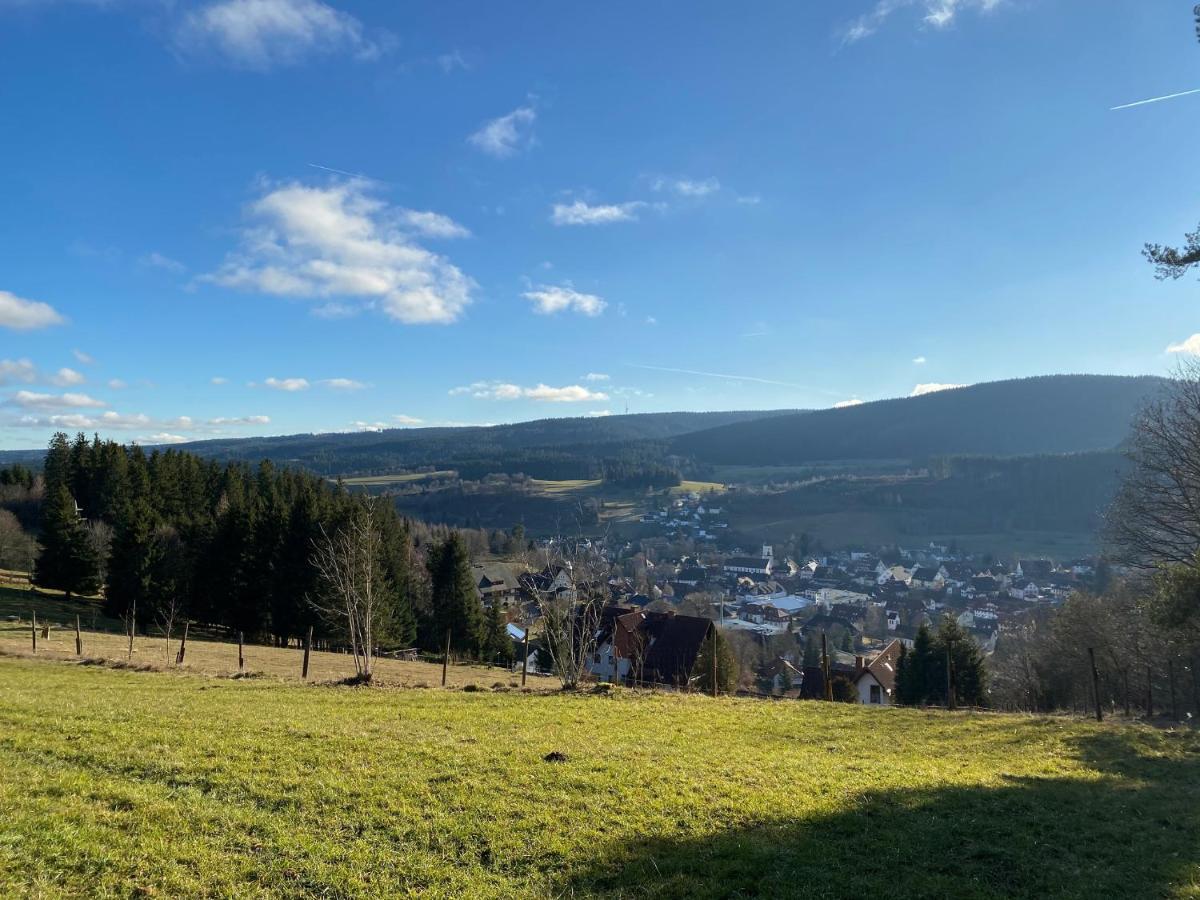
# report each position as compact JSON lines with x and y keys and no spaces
{"x":777,"y":612}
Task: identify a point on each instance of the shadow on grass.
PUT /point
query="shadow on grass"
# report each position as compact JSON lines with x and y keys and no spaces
{"x":1132,"y":831}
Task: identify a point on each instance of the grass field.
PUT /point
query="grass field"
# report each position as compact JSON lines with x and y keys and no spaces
{"x":380,"y":480}
{"x":120,"y":783}
{"x":209,"y":657}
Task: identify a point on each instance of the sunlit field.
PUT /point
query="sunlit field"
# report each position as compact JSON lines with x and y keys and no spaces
{"x":126,"y":783}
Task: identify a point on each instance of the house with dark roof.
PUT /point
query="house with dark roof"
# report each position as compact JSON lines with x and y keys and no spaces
{"x":875,"y":681}
{"x":1036,"y":569}
{"x":649,"y":647}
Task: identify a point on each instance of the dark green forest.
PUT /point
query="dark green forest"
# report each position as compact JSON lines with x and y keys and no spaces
{"x":170,"y":536}
{"x":1043,"y":415}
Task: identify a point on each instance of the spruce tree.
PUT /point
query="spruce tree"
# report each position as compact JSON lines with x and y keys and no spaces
{"x":727,"y":665}
{"x":497,"y":648}
{"x":67,"y":561}
{"x":454,"y":602}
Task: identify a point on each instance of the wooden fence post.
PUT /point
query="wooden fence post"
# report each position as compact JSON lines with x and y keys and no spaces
{"x":241,"y":656}
{"x":33,"y":629}
{"x":950,"y":698}
{"x":446,"y":658}
{"x":825,"y":671}
{"x":182,"y":644}
{"x":307,"y":648}
{"x":1095,"y":684}
{"x":78,"y":638}
{"x":525,"y":663}
{"x":1171,"y":680}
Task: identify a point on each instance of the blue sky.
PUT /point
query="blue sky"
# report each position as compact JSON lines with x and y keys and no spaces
{"x":271,"y":216}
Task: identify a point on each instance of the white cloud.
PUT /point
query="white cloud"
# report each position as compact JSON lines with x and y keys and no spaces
{"x":32,"y":400}
{"x":157,"y":260}
{"x":504,"y":136}
{"x":342,"y":384}
{"x":499,"y":390}
{"x":845,"y":404}
{"x":240,"y":420}
{"x":338,"y":243}
{"x":919,"y":361}
{"x":140,"y":421}
{"x":14,"y":371}
{"x":334,"y":310}
{"x":599,"y":413}
{"x":581,"y":213}
{"x":650,"y":320}
{"x":65,"y":377}
{"x":749,"y":199}
{"x":164,"y":438}
{"x":262,"y":34}
{"x":117,"y":384}
{"x":572,"y":393}
{"x":25,"y":315}
{"x":401,"y":419}
{"x":932,"y":387}
{"x":1191,"y":346}
{"x":218,"y":379}
{"x":934,"y":13}
{"x":550,"y":299}
{"x":431,"y":224}
{"x":596,"y":376}
{"x":86,"y":358}
{"x":288,"y":384}
{"x":369,"y":426}
{"x":688,"y":187}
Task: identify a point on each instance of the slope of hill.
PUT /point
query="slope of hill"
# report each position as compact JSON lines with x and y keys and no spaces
{"x":1047,"y":414}
{"x":364,"y":452}
{"x":119,"y":783}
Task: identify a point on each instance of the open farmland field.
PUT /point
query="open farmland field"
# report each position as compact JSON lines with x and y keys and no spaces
{"x":384,"y":480}
{"x":121,"y":783}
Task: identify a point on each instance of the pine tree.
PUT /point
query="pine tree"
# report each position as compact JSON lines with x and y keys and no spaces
{"x":67,"y":561}
{"x":727,"y":665}
{"x":454,"y":601}
{"x":913,"y":681}
{"x":131,"y":564}
{"x":497,"y":647}
{"x":968,"y":675}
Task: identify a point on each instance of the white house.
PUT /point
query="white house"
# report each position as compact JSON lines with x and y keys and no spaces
{"x":875,"y":681}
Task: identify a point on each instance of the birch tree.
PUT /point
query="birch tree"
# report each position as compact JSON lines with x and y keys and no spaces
{"x":354,"y":588}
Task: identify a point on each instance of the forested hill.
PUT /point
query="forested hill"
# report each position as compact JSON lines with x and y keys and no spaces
{"x":496,"y":448}
{"x":1046,"y":414}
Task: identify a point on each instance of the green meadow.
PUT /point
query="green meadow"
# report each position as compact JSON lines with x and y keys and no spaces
{"x":120,"y":783}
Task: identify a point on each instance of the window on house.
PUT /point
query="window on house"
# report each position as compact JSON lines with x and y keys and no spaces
{"x":876,"y":694}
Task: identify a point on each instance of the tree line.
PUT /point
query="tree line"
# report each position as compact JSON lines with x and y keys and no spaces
{"x":167,"y":535}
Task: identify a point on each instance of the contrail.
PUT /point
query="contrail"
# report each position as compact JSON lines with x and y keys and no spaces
{"x":727,"y":377}
{"x":347,"y":174}
{"x":1154,"y":100}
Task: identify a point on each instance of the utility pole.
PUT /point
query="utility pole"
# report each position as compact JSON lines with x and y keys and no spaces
{"x":525,"y":662}
{"x":714,"y":662}
{"x":307,"y":649}
{"x":446,"y":658}
{"x":78,"y":638}
{"x":1095,"y":684}
{"x":33,"y":629}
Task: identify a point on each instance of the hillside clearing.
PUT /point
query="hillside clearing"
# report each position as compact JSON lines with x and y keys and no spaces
{"x":210,"y":657}
{"x":124,"y":783}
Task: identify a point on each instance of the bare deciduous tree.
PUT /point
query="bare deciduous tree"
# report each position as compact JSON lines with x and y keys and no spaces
{"x":349,"y":563}
{"x":1155,"y":518}
{"x":571,"y":618}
